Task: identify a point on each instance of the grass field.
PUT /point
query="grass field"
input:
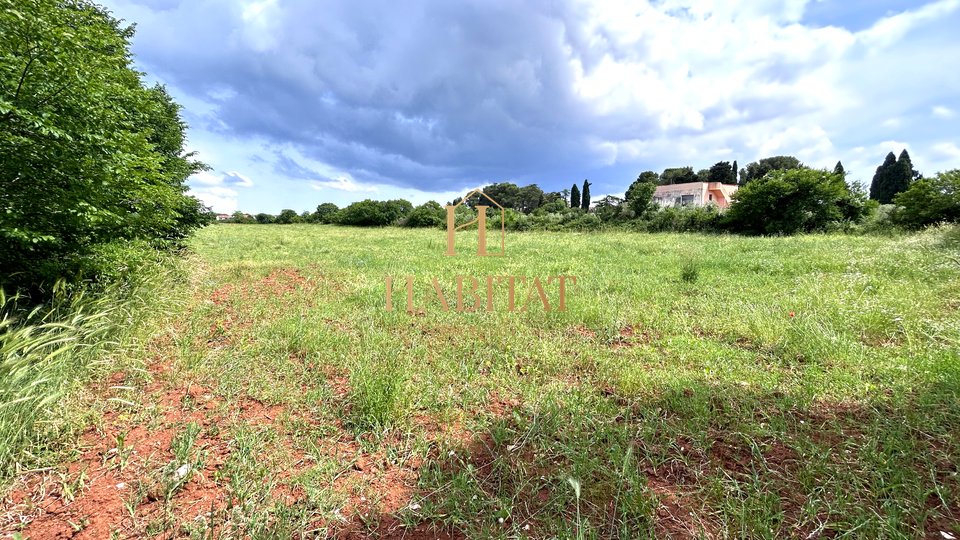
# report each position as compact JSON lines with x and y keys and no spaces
{"x":695,"y":386}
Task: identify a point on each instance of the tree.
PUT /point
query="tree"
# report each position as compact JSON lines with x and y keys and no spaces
{"x":884,"y":181}
{"x":287,"y":217}
{"x":529,"y":199}
{"x":325,"y":213}
{"x":722,"y":172}
{"x":88,"y":154}
{"x":639,"y":195}
{"x":905,"y":173}
{"x":585,"y":198}
{"x":370,"y":213}
{"x":649,"y":176}
{"x":574,"y":197}
{"x":264,"y":219}
{"x":838,"y":169}
{"x":929,"y":200}
{"x":759,"y":169}
{"x":734,"y":172}
{"x":608,"y":208}
{"x":792,"y":201}
{"x":678,"y":175}
{"x":429,"y":214}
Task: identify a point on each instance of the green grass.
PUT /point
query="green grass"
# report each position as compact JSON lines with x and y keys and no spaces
{"x":696,"y":385}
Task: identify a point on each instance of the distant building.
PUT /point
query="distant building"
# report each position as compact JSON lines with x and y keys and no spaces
{"x":695,"y":194}
{"x":222,"y":217}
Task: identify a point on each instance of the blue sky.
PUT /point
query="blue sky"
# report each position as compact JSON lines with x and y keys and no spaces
{"x":298,"y":102}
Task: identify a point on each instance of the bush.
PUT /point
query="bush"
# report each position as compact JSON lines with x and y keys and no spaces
{"x":429,"y":214}
{"x":794,"y":201}
{"x":370,"y":213}
{"x":682,"y":219}
{"x":929,"y":200}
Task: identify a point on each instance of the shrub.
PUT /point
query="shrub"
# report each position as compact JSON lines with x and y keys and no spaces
{"x":429,"y":214}
{"x":794,"y":201}
{"x":370,"y":213}
{"x":929,"y":200}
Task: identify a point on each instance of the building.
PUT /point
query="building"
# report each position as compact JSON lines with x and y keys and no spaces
{"x":695,"y":194}
{"x":223,"y":217}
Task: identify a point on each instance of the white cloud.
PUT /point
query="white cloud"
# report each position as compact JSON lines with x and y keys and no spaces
{"x":343,"y":183}
{"x":219,"y":199}
{"x":942,"y":112}
{"x":946,"y":151}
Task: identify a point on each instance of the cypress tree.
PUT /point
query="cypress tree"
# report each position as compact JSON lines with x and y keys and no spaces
{"x":733,"y":173}
{"x":880,"y":188}
{"x":585,"y":201}
{"x":838,"y":169}
{"x":905,"y":171}
{"x":574,"y":197}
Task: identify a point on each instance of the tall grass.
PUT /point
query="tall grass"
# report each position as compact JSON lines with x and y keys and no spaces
{"x":52,"y":351}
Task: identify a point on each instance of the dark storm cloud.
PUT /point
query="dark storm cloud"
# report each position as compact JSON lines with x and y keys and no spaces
{"x":397,"y":92}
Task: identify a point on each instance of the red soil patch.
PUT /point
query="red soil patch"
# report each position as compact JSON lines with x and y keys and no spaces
{"x":631,"y":336}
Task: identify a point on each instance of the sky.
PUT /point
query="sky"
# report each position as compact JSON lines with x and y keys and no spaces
{"x":298,"y":102}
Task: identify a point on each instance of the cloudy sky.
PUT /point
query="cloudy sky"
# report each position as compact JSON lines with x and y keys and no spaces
{"x":298,"y":102}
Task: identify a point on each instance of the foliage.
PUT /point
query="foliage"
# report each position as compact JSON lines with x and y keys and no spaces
{"x":370,"y":213}
{"x":722,"y":172}
{"x":929,"y":200}
{"x":50,"y":352}
{"x":759,"y":169}
{"x":585,"y":196}
{"x":893,"y":176}
{"x":678,"y":175}
{"x":88,"y":154}
{"x":429,"y":214}
{"x":287,"y":216}
{"x":793,"y":201}
{"x":639,"y":196}
{"x":682,"y":219}
{"x":574,"y":197}
{"x":325,"y":213}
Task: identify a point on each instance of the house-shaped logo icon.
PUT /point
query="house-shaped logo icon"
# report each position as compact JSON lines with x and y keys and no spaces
{"x":481,"y":221}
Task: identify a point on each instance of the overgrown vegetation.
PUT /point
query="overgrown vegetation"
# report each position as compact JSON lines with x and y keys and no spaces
{"x":50,"y":352}
{"x":88,"y":154}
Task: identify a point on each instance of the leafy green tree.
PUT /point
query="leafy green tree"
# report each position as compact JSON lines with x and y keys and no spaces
{"x":325,"y":213}
{"x":678,"y":175}
{"x":574,"y":197}
{"x":759,"y":169}
{"x":88,"y":154}
{"x":649,"y":176}
{"x":929,"y":200}
{"x":722,"y":172}
{"x":370,"y":213}
{"x":639,"y":196}
{"x":585,"y":198}
{"x":429,"y":214}
{"x":734,"y":173}
{"x":265,"y":219}
{"x":792,"y":201}
{"x":287,"y":217}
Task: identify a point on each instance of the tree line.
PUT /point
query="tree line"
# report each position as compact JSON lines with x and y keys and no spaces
{"x":777,"y":195}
